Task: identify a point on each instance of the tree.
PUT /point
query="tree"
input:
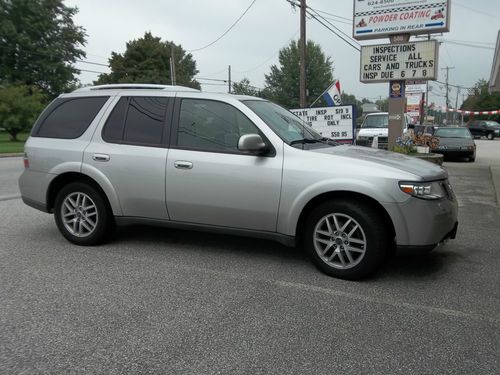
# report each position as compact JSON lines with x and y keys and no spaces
{"x":147,"y":60}
{"x":19,"y":107}
{"x":482,"y":100}
{"x":245,"y":88}
{"x":39,"y":43}
{"x":282,"y":83}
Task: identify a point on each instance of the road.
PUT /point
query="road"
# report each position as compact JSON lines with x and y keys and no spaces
{"x":163,"y":301}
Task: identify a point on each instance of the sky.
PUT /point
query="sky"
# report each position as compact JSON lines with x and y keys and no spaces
{"x":252,"y":45}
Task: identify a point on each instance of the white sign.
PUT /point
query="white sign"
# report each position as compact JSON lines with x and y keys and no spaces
{"x":415,"y":87}
{"x":401,"y":61}
{"x":332,"y":122}
{"x":380,"y":18}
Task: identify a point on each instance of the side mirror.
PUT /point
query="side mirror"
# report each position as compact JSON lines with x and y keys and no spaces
{"x":252,"y":143}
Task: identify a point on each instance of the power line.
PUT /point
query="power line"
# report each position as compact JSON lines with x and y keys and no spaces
{"x":225,"y":32}
{"x":334,"y":15}
{"x":335,"y":27}
{"x":347,"y":41}
{"x":269,"y":58}
{"x":466,"y":44}
{"x":90,"y":71}
{"x":92,"y":63}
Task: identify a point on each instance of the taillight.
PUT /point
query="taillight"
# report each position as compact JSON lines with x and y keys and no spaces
{"x":26,"y":161}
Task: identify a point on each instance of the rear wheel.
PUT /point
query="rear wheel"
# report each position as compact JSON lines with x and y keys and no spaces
{"x":82,"y":214}
{"x":346,"y":239}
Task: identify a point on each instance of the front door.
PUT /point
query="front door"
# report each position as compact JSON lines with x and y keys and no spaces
{"x":209,"y":181}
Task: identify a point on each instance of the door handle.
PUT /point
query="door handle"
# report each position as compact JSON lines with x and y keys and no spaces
{"x":181,"y":164}
{"x":100,"y":157}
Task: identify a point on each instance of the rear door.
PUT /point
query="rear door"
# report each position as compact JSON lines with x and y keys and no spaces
{"x":209,"y":181}
{"x":130,"y":149}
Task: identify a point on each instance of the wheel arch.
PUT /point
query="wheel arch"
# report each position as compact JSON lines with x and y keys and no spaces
{"x":342,"y":195}
{"x":68,"y":177}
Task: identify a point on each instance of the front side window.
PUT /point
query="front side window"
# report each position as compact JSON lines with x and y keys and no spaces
{"x":211,"y":126}
{"x":69,"y":118}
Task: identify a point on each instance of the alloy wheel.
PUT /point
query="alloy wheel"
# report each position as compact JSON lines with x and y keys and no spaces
{"x":339,"y":241}
{"x":79,"y":214}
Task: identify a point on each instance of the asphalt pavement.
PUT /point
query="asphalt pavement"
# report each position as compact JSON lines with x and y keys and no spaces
{"x":156,"y":300}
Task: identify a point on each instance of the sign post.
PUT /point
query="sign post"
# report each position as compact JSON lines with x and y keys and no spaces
{"x":400,"y":60}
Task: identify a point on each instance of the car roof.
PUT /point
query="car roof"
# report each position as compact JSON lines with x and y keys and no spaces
{"x":120,"y":88}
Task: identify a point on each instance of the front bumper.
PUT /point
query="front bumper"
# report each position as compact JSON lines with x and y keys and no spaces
{"x":455,"y":152}
{"x":424,"y":224}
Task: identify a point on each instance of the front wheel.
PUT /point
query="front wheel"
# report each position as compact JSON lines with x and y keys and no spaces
{"x":347,"y":240}
{"x":490,"y":136}
{"x":82,"y":215}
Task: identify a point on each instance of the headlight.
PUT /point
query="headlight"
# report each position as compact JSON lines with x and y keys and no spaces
{"x":423,"y":190}
{"x":497,"y":131}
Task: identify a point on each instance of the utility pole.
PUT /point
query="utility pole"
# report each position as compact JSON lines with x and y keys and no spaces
{"x":447,"y":94}
{"x":302,"y":47}
{"x":229,"y":78}
{"x":456,"y":105}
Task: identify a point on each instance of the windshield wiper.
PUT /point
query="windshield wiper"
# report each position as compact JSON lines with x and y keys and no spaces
{"x":306,"y":140}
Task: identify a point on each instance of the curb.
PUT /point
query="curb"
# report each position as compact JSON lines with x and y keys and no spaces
{"x":495,"y":177}
{"x":11,"y":155}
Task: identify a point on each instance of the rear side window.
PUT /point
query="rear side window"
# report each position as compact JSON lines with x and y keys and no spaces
{"x":68,"y":118}
{"x":137,"y":120}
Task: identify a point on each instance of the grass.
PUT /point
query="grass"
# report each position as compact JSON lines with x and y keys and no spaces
{"x":7,"y":146}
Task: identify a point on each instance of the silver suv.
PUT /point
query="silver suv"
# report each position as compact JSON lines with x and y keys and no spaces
{"x":178,"y":157}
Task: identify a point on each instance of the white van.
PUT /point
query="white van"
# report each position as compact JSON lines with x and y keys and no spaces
{"x":376,"y":124}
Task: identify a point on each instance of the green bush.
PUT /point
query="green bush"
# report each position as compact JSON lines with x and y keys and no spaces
{"x":19,"y":107}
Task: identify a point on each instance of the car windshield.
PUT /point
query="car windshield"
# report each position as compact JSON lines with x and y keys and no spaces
{"x":289,"y":127}
{"x":452,"y":133}
{"x":491,"y":123}
{"x":378,"y":121}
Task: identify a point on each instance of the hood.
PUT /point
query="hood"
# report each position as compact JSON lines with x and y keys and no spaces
{"x":424,"y":169}
{"x":371,"y":132}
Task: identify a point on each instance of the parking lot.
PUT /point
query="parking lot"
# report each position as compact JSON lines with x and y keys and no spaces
{"x":157,"y":300}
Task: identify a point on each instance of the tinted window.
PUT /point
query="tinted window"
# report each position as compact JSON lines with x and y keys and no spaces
{"x":70,"y":117}
{"x":145,"y":120}
{"x":211,"y":125}
{"x":113,"y":130}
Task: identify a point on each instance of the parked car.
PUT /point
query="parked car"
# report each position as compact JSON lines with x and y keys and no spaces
{"x":377,"y":125}
{"x":178,"y":157}
{"x":488,"y":129}
{"x":455,"y":142}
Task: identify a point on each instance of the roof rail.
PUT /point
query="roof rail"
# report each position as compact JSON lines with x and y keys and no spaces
{"x":135,"y":86}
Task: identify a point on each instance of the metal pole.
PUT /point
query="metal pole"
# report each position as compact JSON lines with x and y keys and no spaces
{"x":302,"y":47}
{"x":229,"y":78}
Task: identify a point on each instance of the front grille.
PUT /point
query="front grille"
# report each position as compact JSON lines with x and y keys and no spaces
{"x":382,"y":142}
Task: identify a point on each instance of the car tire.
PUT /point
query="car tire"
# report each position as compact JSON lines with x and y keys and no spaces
{"x":490,"y":136}
{"x":346,"y":239}
{"x":83,"y":215}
